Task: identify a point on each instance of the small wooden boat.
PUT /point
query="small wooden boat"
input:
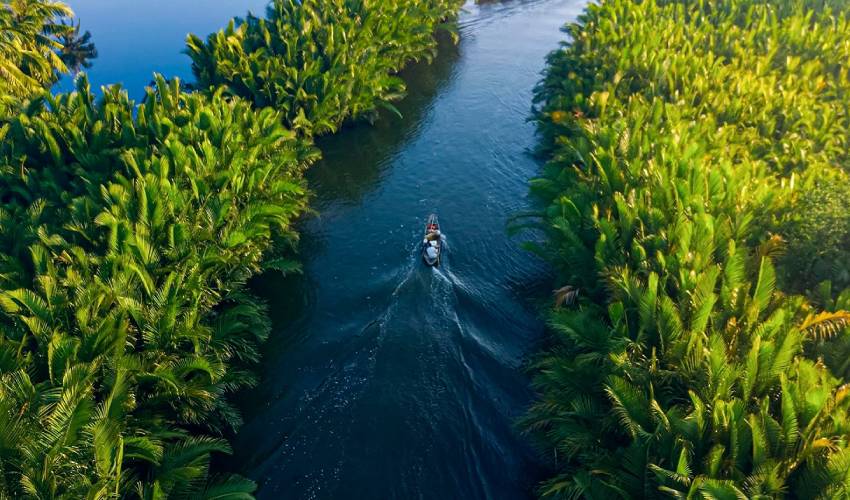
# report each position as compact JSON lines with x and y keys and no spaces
{"x":432,"y":244}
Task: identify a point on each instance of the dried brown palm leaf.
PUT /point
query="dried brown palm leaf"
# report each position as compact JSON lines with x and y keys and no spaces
{"x":566,"y":295}
{"x":825,"y":324}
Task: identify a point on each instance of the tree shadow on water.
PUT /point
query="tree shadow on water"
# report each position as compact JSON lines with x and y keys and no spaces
{"x":355,"y":158}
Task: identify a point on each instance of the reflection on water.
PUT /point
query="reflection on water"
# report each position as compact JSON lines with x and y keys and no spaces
{"x":355,"y":159}
{"x":384,"y":378}
{"x":134,"y":39}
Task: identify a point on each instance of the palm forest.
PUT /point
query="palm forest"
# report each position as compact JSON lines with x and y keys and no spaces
{"x":690,"y":207}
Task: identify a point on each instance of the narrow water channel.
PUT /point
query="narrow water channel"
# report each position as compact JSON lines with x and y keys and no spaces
{"x":383,"y":378}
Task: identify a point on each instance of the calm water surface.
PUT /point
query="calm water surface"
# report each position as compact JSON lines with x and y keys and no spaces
{"x":136,"y":38}
{"x":383,"y":378}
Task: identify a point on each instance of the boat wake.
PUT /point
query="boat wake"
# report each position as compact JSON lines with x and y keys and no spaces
{"x":418,"y":333}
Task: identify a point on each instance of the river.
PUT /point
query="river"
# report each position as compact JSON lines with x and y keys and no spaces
{"x":384,"y":378}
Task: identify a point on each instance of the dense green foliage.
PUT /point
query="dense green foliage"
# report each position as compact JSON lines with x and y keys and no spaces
{"x":36,"y":47}
{"x":683,"y":136}
{"x":816,"y":228}
{"x":321,"y":61}
{"x":127,"y":232}
{"x":29,"y":61}
{"x":125,"y":237}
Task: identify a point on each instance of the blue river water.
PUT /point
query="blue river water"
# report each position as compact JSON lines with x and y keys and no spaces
{"x":136,"y":38}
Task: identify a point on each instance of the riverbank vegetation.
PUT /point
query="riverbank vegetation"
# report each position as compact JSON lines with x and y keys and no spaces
{"x":696,"y":198}
{"x":321,"y":62}
{"x":29,"y":50}
{"x":128,"y":231}
{"x":125,"y":243}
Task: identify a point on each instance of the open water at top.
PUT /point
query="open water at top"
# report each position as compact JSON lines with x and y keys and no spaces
{"x":384,"y":378}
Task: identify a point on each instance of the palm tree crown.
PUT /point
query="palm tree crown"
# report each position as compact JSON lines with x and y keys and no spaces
{"x":77,"y":50}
